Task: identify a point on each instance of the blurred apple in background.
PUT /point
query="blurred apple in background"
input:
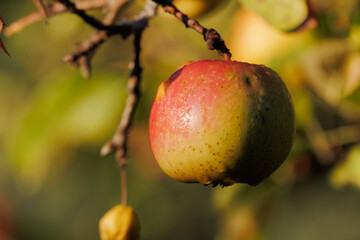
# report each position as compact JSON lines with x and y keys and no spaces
{"x":253,"y":40}
{"x":197,"y":8}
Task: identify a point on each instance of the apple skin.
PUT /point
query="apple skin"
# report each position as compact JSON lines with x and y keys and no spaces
{"x":221,"y":122}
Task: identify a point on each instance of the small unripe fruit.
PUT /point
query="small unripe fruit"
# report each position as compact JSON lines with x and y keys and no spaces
{"x":221,"y":122}
{"x":120,"y":223}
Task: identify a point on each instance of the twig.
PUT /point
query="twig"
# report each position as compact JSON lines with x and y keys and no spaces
{"x":116,"y":6}
{"x":118,"y":142}
{"x":211,"y":36}
{"x":81,"y":13}
{"x":87,"y":48}
{"x":52,"y":10}
{"x":343,"y":135}
{"x":41,"y":7}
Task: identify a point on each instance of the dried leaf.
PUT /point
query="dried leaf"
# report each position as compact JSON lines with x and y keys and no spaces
{"x":2,"y":46}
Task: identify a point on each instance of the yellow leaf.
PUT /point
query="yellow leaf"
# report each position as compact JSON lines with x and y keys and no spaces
{"x":348,"y":172}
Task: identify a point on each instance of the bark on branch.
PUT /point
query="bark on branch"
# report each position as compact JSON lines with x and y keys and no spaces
{"x":211,"y":36}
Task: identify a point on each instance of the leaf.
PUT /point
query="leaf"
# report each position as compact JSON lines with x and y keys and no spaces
{"x":286,"y":15}
{"x":348,"y":172}
{"x":2,"y":46}
{"x":65,"y":112}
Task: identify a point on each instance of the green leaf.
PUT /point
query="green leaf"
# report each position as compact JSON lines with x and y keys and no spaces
{"x":64,"y":112}
{"x":286,"y":15}
{"x":348,"y":172}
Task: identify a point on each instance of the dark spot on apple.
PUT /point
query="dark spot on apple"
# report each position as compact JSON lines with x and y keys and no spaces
{"x":248,"y":80}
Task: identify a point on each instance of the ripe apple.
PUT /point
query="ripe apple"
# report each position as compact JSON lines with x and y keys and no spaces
{"x":221,"y":122}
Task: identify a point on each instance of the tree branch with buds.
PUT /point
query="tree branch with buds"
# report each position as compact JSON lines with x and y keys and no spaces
{"x":106,"y":28}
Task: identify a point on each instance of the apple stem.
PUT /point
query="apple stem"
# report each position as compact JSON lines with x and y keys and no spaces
{"x":211,"y":36}
{"x":124,"y":191}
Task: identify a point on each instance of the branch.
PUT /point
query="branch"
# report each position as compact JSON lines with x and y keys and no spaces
{"x":211,"y":36}
{"x":82,"y":57}
{"x":41,"y":7}
{"x":81,"y":13}
{"x":118,"y":144}
{"x":52,"y":10}
{"x":87,"y":48}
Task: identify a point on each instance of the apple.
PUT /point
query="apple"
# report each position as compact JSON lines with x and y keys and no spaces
{"x":196,"y":8}
{"x":221,"y":122}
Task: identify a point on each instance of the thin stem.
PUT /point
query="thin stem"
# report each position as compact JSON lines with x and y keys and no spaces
{"x":124,"y":188}
{"x":81,"y":13}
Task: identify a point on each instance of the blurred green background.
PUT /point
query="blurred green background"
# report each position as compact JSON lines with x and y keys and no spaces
{"x":53,"y":122}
